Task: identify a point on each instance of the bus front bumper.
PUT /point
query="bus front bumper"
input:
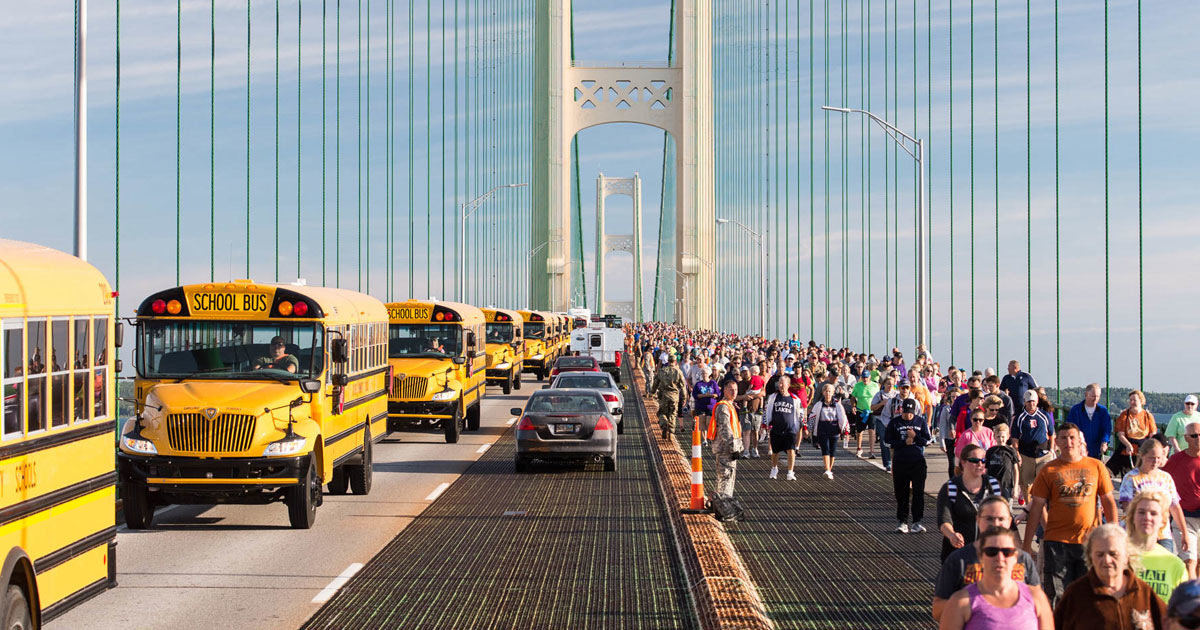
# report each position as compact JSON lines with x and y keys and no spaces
{"x":407,"y":411}
{"x":208,"y":479}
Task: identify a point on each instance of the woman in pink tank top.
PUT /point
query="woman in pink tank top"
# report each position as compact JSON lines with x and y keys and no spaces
{"x":996,"y":601}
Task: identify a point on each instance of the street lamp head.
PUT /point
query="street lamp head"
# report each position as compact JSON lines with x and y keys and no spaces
{"x":722,"y":221}
{"x":844,"y":110}
{"x":521,"y":185}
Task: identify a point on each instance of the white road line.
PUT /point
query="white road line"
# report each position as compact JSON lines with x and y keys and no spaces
{"x":511,"y":420}
{"x":337,"y":583}
{"x":437,"y":492}
{"x":484,"y":448}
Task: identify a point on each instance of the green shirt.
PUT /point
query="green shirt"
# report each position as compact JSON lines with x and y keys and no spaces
{"x":1177,"y":427}
{"x":1162,"y":570}
{"x":863,"y":392}
{"x":280,"y":364}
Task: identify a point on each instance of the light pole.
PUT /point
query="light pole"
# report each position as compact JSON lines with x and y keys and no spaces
{"x":474,"y":204}
{"x":529,"y":259}
{"x":762,"y":321}
{"x":919,"y":156}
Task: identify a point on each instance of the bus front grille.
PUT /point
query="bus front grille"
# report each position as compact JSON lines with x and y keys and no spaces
{"x":413,"y":387}
{"x":226,"y":433}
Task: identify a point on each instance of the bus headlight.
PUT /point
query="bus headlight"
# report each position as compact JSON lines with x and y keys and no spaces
{"x":536,"y":357}
{"x":285,"y":447}
{"x":138,"y":445}
{"x":449,"y":394}
{"x":502,"y":366}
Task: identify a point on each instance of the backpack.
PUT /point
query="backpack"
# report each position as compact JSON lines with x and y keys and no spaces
{"x":993,"y":486}
{"x":726,"y":509}
{"x":1001,"y":463}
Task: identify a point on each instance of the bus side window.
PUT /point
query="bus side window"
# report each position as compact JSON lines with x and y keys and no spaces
{"x":82,"y":369}
{"x":60,"y":372}
{"x":100,"y":356}
{"x":13,"y":343}
{"x":35,"y":370}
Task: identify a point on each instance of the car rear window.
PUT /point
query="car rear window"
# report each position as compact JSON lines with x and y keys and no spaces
{"x":547,"y":403}
{"x":585,"y":382}
{"x":576,"y":361}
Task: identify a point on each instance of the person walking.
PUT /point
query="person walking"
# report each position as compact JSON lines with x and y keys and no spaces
{"x":864,"y":390}
{"x":881,"y":408}
{"x":725,"y":433}
{"x":1145,"y":518}
{"x":1175,"y":428}
{"x":669,"y":388}
{"x":1017,"y":382}
{"x":1032,"y":429}
{"x":827,"y":421}
{"x":1110,"y":596}
{"x":997,"y":601}
{"x":1184,"y":468}
{"x":783,"y":414}
{"x":964,"y":566}
{"x":1068,"y":488}
{"x":704,"y":397}
{"x":1095,"y":425}
{"x":944,"y":421}
{"x":975,"y":433}
{"x":1135,"y":424}
{"x":1152,"y":455}
{"x":907,"y":435}
{"x":959,"y":499}
{"x":754,"y":409}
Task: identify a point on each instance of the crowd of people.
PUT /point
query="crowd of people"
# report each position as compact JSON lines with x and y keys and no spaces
{"x":1111,"y":509}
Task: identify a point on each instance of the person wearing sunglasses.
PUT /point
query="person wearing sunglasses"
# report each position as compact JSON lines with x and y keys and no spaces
{"x":958,"y":500}
{"x":997,"y":601}
{"x":975,"y":433}
{"x":1145,"y":520}
{"x":1175,"y":428}
{"x":1184,"y":468}
{"x":1109,"y":595}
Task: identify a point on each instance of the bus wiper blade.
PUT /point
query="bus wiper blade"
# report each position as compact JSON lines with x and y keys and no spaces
{"x":205,"y":371}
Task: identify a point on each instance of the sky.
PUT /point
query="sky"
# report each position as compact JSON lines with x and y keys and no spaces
{"x":36,"y":167}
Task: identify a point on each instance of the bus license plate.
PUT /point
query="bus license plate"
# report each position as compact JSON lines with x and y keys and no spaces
{"x":562,"y":428}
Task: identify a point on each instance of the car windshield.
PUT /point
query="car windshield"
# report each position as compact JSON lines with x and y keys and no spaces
{"x":565,"y":403}
{"x":585,"y":382}
{"x":224,"y":350}
{"x":424,"y":340}
{"x":499,"y":333}
{"x":534,"y":330}
{"x":576,"y":362}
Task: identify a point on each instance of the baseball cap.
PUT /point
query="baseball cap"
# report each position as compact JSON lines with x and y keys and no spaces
{"x":744,"y":368}
{"x":903,"y":383}
{"x":909,"y":405}
{"x":1031,"y":395}
{"x":866,"y":374}
{"x":1191,"y":398}
{"x":1184,"y":604}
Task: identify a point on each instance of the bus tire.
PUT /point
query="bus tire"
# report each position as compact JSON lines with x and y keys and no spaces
{"x":301,"y":499}
{"x":135,"y":504}
{"x":506,"y":386}
{"x":360,"y":474}
{"x":541,"y":374}
{"x":339,"y":483}
{"x":17,"y":614}
{"x":517,"y":380}
{"x":453,"y":427}
{"x":473,"y":417}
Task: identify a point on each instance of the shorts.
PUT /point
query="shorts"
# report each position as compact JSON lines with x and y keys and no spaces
{"x":782,"y":442}
{"x":1193,"y":527}
{"x":748,"y":421}
{"x":860,"y":422}
{"x":827,"y":444}
{"x":1030,"y":467}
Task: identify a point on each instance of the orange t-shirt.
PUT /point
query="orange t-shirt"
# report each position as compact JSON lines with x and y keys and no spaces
{"x":1070,"y":491}
{"x":1135,"y":427}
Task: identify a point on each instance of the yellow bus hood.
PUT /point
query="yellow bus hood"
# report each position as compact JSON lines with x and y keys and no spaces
{"x":423,"y":366}
{"x":243,"y":398}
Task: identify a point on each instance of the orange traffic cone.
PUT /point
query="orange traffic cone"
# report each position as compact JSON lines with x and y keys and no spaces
{"x":697,"y":502}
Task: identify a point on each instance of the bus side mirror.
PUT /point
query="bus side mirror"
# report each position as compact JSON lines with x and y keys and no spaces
{"x":341,"y":380}
{"x":471,"y":339}
{"x":119,"y":335}
{"x":516,"y":411}
{"x":120,"y":365}
{"x":337,"y":351}
{"x":310,"y":385}
{"x":459,"y":360}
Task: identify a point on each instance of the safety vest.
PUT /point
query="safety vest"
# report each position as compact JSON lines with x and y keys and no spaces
{"x":735,"y":426}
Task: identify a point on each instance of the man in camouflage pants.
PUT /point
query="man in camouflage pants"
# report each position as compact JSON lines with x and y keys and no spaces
{"x":724,"y":431}
{"x":670,"y":388}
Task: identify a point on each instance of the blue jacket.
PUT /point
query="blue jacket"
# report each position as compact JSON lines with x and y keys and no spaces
{"x":1097,"y":431}
{"x":897,"y":432}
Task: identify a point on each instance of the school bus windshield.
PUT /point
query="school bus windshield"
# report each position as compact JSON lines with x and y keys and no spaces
{"x":229,"y":350}
{"x":424,"y":340}
{"x":499,"y":333}
{"x":534,"y":330}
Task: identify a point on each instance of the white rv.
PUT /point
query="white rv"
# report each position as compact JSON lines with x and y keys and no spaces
{"x":603,"y":339}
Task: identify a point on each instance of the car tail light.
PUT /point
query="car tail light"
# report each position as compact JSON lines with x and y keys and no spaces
{"x":610,"y":397}
{"x":618,"y":358}
{"x":554,"y":372}
{"x":526,"y":424}
{"x":603,"y":424}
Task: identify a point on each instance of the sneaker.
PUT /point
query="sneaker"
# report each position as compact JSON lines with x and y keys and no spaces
{"x":870,"y":455}
{"x":774,"y":473}
{"x":902,"y":528}
{"x":887,"y":469}
{"x":791,"y":476}
{"x":859,"y":453}
{"x":829,"y":474}
{"x":916,"y":528}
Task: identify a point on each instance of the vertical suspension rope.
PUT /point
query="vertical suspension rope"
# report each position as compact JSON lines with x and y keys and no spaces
{"x":275,"y":232}
{"x":916,"y":175}
{"x":862,"y":176}
{"x":324,"y":10}
{"x":971,"y":39}
{"x":996,"y":162}
{"x":428,"y":145}
{"x":825,"y":97}
{"x":1141,"y":286}
{"x":787,"y":159}
{"x":812,"y":257}
{"x":117,"y":166}
{"x":778,"y":254}
{"x":869,"y":245}
{"x":299,"y":83}
{"x":337,"y":168}
{"x":389,"y":263}
{"x":887,"y":172}
{"x":845,"y":183}
{"x":1028,"y":193}
{"x":950,"y":141}
{"x":457,"y":243}
{"x":365,"y":243}
{"x":247,"y":138}
{"x":896,"y":173}
{"x":1057,"y":241}
{"x":442,"y":124}
{"x":212,"y":145}
{"x":929,"y":162}
{"x":1107,"y":299}
{"x":409,"y":104}
{"x":358,"y":150}
{"x":178,"y":128}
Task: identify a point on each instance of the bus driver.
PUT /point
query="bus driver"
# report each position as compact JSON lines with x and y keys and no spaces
{"x":279,"y":359}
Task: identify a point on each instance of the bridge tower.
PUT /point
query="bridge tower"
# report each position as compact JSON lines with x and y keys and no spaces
{"x":569,"y":97}
{"x":608,"y":243}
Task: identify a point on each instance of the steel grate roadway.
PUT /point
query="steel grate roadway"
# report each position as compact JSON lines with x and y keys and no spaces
{"x":593,"y":550}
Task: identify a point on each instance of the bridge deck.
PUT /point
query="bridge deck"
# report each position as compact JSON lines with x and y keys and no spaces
{"x":823,"y":553}
{"x":590,"y":550}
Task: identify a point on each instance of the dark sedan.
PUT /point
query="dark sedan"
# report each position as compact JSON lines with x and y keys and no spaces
{"x":566,"y":424}
{"x":575,"y":364}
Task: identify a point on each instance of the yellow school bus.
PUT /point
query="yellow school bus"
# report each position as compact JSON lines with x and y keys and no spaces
{"x":505,"y":348}
{"x":253,"y":393}
{"x":436,"y":350}
{"x":57,"y":482}
{"x":563,"y":329}
{"x":540,"y":347}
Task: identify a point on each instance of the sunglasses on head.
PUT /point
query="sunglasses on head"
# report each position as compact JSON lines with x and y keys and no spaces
{"x":991,"y":552}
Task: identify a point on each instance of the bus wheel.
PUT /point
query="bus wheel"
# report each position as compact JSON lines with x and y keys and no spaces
{"x":541,"y":374}
{"x":17,"y":615}
{"x":135,"y":503}
{"x":339,"y":483}
{"x":473,"y":418}
{"x":360,"y":474}
{"x":506,"y":386}
{"x":517,"y":380}
{"x":453,"y":426}
{"x":302,"y":498}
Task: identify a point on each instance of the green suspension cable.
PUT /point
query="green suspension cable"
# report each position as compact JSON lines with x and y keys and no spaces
{"x":1141,"y":287}
{"x":117,"y":167}
{"x":778,"y":253}
{"x":178,"y":128}
{"x":1057,"y":241}
{"x":845,"y":184}
{"x":1028,"y":193}
{"x":337,"y":168}
{"x":428,"y":145}
{"x":365,"y":243}
{"x":1107,"y":297}
{"x":457,"y":243}
{"x":787,"y":158}
{"x":324,"y":65}
{"x":299,"y":82}
{"x":812,"y":254}
{"x":442,"y":124}
{"x":247,"y":138}
{"x":358,"y":151}
{"x":825,"y":96}
{"x":887,"y":172}
{"x":409,"y":103}
{"x":896,"y":173}
{"x":864,"y":186}
{"x":212,"y":136}
{"x":870,"y":245}
{"x":276,"y":230}
{"x":916,"y":175}
{"x":950,"y":204}
{"x":996,"y":162}
{"x":972,"y":144}
{"x":389,"y":265}
{"x":929,"y":160}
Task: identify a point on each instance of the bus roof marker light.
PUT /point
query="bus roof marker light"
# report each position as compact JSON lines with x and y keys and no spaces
{"x":285,"y":308}
{"x":158,"y":307}
{"x":173,"y":307}
{"x":300,"y":309}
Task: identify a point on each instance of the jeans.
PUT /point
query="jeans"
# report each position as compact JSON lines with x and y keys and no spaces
{"x":884,"y":450}
{"x":949,"y":444}
{"x":908,"y":481}
{"x":1062,"y":563}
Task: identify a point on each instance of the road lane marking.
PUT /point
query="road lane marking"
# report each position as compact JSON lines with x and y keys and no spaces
{"x":337,"y":583}
{"x":511,"y":420}
{"x":484,"y":448}
{"x":437,"y":492}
